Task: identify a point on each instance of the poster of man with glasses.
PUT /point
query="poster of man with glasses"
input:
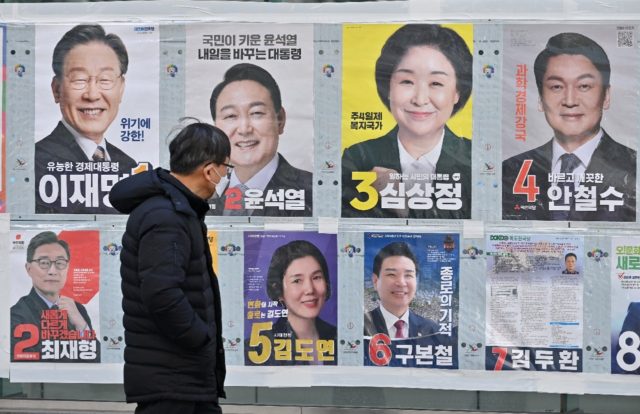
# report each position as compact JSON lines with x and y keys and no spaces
{"x":56,"y":321}
{"x":84,"y":152}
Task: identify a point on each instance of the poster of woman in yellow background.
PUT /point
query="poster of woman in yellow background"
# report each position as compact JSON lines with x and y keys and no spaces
{"x":406,"y":121}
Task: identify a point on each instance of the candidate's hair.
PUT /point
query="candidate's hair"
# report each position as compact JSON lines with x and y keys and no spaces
{"x":46,"y":237}
{"x":566,"y":256}
{"x":394,"y":249}
{"x":443,"y":39}
{"x":572,"y":44}
{"x":83,"y":34}
{"x":196,"y":144}
{"x":282,"y":258}
{"x":247,"y":71}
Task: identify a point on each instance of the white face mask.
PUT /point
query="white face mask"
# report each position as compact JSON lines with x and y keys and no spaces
{"x":222,"y":186}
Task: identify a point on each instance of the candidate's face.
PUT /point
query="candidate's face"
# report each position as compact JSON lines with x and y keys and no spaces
{"x":90,"y":109}
{"x":396,"y":283}
{"x":304,"y":288}
{"x":573,"y":98}
{"x":48,"y":281}
{"x":422,"y":93}
{"x":570,"y":263}
{"x":245,"y":112}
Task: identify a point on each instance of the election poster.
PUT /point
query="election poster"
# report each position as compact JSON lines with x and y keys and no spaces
{"x":55,"y":296}
{"x":290,"y":298}
{"x":96,"y":106}
{"x":534,"y":305}
{"x":569,"y":136}
{"x":3,"y":131}
{"x":625,"y":305}
{"x":411,"y":291}
{"x":407,"y":121}
{"x":255,"y":83}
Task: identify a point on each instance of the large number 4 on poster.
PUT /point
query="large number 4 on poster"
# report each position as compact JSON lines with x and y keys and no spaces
{"x":526,"y":184}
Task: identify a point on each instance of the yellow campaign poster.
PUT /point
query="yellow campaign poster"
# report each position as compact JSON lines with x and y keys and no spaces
{"x":212,"y":236}
{"x":407,"y":120}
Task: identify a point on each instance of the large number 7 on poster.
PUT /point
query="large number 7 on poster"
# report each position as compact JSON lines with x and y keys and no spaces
{"x":529,"y":188}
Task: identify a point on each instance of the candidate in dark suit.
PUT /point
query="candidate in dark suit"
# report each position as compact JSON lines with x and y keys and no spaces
{"x":424,"y":77}
{"x":572,"y":75}
{"x":89,"y":67}
{"x":395,"y":280}
{"x":298,"y":278}
{"x":631,"y":324}
{"x":247,"y":106}
{"x":47,"y":266}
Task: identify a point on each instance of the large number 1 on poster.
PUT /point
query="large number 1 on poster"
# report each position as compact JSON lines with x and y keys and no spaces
{"x":526,"y":184}
{"x":366,"y":178}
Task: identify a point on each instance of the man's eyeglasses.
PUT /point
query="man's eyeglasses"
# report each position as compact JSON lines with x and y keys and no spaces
{"x":105,"y":81}
{"x":45,"y":264}
{"x":229,"y":168}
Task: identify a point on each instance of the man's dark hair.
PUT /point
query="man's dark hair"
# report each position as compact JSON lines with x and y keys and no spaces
{"x":393,"y":249}
{"x":282,"y":258}
{"x":568,"y":255}
{"x":247,"y":71}
{"x":196,"y":144}
{"x":572,"y":44}
{"x":83,"y":34}
{"x":445,"y":40}
{"x":46,"y":237}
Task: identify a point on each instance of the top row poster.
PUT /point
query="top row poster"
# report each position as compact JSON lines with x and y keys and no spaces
{"x":407,"y":114}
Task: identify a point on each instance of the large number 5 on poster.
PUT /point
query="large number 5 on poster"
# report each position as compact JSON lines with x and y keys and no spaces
{"x":526,"y":184}
{"x":366,"y":179}
{"x":257,"y":339}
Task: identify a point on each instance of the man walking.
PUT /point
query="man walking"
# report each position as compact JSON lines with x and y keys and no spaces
{"x":174,"y":358}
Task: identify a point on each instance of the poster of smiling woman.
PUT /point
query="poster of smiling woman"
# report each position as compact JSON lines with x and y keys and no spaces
{"x":406,"y":121}
{"x":290,"y":298}
{"x":96,"y":100}
{"x":569,"y":136}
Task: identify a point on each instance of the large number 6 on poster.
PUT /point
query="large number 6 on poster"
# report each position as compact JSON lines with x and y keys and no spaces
{"x":366,"y":178}
{"x":529,"y":188}
{"x":258,"y":339}
{"x":379,"y":351}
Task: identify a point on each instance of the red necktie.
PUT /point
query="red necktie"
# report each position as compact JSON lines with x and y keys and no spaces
{"x":399,"y":324}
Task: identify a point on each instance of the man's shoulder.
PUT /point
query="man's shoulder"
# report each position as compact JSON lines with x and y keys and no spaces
{"x":614,"y":149}
{"x":421,"y":323}
{"x":118,"y":155}
{"x":291,"y":176}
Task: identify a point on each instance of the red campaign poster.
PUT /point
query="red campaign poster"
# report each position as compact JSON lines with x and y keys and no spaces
{"x":54,"y":296}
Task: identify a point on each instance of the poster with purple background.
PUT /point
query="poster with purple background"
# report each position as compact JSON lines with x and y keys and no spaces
{"x":290,"y":298}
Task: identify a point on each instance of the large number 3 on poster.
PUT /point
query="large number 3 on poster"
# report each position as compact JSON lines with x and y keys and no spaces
{"x":258,"y":339}
{"x":19,"y":350}
{"x":366,"y":178}
{"x":526,"y":184}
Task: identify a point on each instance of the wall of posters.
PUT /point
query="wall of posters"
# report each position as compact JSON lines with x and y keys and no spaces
{"x":565,"y":91}
{"x":255,"y":83}
{"x":534,"y":305}
{"x":96,"y":106}
{"x":406,"y":121}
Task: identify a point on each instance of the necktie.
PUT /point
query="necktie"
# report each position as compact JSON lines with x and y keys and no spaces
{"x":54,"y":307}
{"x":568,"y":163}
{"x":399,"y":325}
{"x":99,"y":154}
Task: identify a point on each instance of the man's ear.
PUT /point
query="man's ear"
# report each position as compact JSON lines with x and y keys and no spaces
{"x":540,"y":104}
{"x":374,"y":279}
{"x":606,"y":102}
{"x":281,"y":117}
{"x":55,"y":89}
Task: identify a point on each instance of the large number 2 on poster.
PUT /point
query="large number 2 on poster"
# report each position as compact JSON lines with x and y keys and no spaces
{"x":529,"y":188}
{"x":366,"y":178}
{"x":258,"y":339}
{"x":18,"y":353}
